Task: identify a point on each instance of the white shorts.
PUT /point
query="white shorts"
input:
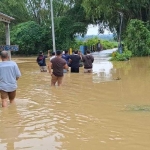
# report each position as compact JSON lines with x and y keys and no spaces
{"x":43,"y":68}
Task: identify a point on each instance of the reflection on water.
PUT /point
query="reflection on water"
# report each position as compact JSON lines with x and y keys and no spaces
{"x":102,"y":71}
{"x":80,"y":115}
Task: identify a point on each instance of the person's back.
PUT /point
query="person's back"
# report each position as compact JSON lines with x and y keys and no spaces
{"x":58,"y":66}
{"x":8,"y":73}
{"x":75,"y":62}
{"x":66,"y":57}
{"x":99,"y":46}
{"x":88,"y":61}
{"x":41,"y":60}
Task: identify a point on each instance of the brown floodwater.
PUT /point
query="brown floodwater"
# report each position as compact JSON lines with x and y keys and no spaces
{"x":106,"y":110}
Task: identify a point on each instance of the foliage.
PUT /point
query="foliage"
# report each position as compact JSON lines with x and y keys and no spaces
{"x":105,"y":44}
{"x":137,"y":38}
{"x":106,"y":12}
{"x":69,"y":19}
{"x":126,"y":55}
{"x":109,"y":44}
{"x":76,"y":44}
{"x":16,"y":9}
{"x":65,"y":30}
{"x":93,"y":42}
{"x":72,"y":18}
{"x":30,"y":37}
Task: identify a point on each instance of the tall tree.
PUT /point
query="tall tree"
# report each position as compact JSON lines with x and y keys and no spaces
{"x":16,"y":9}
{"x":106,"y":12}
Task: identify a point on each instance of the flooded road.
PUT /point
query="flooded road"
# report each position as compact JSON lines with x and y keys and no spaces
{"x":106,"y":110}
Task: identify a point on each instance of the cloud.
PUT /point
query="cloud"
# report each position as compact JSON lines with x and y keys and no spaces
{"x":93,"y":30}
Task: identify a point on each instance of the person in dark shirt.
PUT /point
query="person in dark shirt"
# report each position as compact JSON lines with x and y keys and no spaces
{"x":75,"y":62}
{"x":41,"y":60}
{"x":99,"y":46}
{"x":57,"y":64}
{"x":66,"y":56}
{"x":88,"y":60}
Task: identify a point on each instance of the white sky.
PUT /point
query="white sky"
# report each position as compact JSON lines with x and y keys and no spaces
{"x":93,"y":30}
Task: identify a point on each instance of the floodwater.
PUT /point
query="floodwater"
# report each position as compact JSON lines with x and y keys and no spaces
{"x":106,"y":110}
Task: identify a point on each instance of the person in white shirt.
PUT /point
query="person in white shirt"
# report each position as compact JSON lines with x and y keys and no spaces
{"x":53,"y":56}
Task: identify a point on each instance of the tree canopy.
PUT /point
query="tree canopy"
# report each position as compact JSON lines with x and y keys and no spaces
{"x":71,"y":18}
{"x":106,"y":12}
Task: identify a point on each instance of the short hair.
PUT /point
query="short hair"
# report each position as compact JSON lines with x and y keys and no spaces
{"x":40,"y":53}
{"x":58,"y":52}
{"x":76,"y":51}
{"x":53,"y":53}
{"x":88,"y":52}
{"x":66,"y":51}
{"x":4,"y":54}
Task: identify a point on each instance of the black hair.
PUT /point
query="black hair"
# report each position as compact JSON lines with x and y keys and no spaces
{"x":40,"y":53}
{"x":58,"y":52}
{"x":66,"y":51}
{"x":88,"y":52}
{"x":53,"y":53}
{"x":76,"y":51}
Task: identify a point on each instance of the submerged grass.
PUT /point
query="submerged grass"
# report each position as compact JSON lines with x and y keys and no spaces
{"x":138,"y":108}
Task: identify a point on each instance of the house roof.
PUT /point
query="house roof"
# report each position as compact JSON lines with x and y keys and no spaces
{"x":5,"y":18}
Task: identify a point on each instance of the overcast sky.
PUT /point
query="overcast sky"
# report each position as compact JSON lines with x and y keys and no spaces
{"x":93,"y":30}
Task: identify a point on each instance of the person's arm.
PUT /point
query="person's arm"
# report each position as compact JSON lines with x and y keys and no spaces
{"x":83,"y":58}
{"x":66,"y":66}
{"x":70,"y":60}
{"x":50,"y":67}
{"x":48,"y":54}
{"x":37,"y":60}
{"x":92,"y":59}
{"x":80,"y":58}
{"x":17,"y":72}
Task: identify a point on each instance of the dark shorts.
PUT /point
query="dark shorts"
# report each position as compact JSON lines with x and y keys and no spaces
{"x":10,"y":95}
{"x":76,"y":70}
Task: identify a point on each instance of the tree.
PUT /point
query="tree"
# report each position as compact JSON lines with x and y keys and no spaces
{"x":137,"y":38}
{"x":106,"y":12}
{"x":16,"y":9}
{"x":30,"y":37}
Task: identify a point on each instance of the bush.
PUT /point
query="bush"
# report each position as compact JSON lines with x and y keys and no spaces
{"x":93,"y":41}
{"x":30,"y":37}
{"x":137,"y":38}
{"x":109,"y":44}
{"x":126,"y":55}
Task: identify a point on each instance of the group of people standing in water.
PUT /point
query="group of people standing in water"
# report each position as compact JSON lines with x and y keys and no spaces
{"x":58,"y":65}
{"x":61,"y":61}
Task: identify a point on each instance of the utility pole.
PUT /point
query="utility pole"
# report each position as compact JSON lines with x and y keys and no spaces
{"x":120,"y":30}
{"x":8,"y":38}
{"x":53,"y":30}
